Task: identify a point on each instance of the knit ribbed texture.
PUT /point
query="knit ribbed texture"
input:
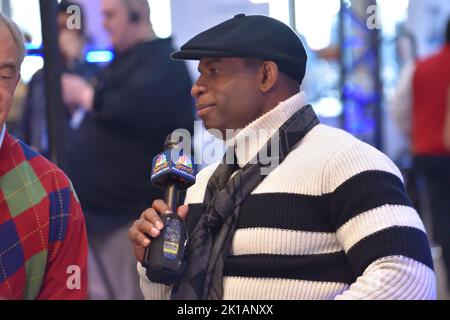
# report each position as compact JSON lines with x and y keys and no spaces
{"x":394,"y":278}
{"x":151,"y":290}
{"x":333,"y":221}
{"x":279,"y":289}
{"x":284,"y":242}
{"x":42,"y":230}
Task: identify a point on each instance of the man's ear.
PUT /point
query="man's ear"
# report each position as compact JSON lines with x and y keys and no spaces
{"x":269,"y":75}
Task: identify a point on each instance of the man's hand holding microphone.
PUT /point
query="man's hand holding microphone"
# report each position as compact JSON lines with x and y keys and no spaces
{"x":150,"y":223}
{"x":159,"y":237}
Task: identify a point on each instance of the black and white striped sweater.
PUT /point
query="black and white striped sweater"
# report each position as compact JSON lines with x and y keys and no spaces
{"x":332,"y":221}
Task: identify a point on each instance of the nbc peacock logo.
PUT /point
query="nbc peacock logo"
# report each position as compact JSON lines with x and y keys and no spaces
{"x":162,"y":159}
{"x":184,"y":161}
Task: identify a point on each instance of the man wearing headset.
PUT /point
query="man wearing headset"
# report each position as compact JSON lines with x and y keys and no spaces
{"x":129,"y":114}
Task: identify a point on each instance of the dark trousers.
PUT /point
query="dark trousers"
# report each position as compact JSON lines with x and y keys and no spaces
{"x":435,"y":170}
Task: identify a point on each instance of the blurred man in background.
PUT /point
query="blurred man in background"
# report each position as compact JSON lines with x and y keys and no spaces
{"x":71,"y":44}
{"x":140,"y":98}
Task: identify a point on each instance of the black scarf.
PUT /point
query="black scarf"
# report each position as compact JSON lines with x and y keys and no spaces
{"x":211,"y":239}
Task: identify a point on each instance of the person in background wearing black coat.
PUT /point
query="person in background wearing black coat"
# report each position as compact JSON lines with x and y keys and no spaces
{"x":34,"y":118}
{"x":139,"y":99}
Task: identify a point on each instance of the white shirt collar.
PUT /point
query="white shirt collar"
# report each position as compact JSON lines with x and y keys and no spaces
{"x":2,"y":135}
{"x":253,"y":137}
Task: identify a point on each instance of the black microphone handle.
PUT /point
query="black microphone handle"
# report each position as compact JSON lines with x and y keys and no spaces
{"x":172,"y":196}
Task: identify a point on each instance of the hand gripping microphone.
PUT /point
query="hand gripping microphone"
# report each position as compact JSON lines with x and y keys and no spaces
{"x":172,"y":170}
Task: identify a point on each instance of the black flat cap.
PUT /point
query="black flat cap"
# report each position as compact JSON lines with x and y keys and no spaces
{"x":250,"y":37}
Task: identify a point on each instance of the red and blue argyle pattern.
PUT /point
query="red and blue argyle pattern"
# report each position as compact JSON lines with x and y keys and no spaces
{"x":42,"y":229}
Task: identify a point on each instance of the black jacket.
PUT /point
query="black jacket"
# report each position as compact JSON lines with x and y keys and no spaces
{"x":140,"y":98}
{"x":34,"y":119}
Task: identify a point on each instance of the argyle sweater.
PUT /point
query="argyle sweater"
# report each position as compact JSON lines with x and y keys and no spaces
{"x":332,"y":221}
{"x":43,"y":244}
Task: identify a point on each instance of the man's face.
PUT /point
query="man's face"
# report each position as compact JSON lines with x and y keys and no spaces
{"x":116,"y":22}
{"x":9,"y":72}
{"x":227,"y":93}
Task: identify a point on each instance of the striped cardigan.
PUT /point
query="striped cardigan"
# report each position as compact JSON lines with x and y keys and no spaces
{"x":333,"y":221}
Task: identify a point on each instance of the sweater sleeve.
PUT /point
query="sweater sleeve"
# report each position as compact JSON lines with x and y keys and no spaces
{"x":152,"y":290}
{"x":381,"y":233}
{"x":66,"y":272}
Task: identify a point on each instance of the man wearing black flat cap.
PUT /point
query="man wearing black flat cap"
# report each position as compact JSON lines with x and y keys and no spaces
{"x":326,"y":218}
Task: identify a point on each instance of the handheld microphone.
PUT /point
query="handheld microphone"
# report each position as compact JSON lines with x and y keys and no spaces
{"x":172,"y":170}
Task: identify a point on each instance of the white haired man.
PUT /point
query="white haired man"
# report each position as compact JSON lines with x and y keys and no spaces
{"x":43,"y":244}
